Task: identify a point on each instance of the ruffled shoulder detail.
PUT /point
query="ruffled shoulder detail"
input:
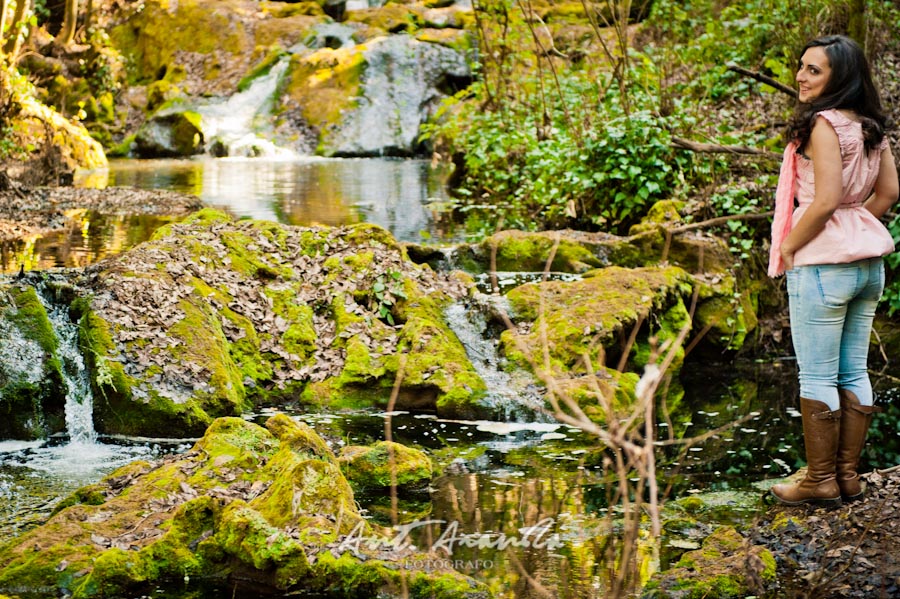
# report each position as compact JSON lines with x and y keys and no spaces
{"x":849,"y":132}
{"x":843,"y":125}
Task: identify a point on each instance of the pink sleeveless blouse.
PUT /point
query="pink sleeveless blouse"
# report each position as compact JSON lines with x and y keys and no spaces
{"x":852,"y":233}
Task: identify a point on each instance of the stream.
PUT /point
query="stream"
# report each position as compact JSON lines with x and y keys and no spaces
{"x":496,"y":476}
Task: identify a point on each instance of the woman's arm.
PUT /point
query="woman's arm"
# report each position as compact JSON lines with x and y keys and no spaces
{"x":825,"y":151}
{"x":886,"y":186}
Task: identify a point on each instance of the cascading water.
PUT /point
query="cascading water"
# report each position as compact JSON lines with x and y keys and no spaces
{"x":79,"y":397}
{"x":512,"y":399}
{"x":231,"y":126}
{"x":35,"y":475}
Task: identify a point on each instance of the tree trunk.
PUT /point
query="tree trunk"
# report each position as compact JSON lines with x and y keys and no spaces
{"x":4,"y":6}
{"x":856,"y":27}
{"x":16,"y":28}
{"x":67,"y":34}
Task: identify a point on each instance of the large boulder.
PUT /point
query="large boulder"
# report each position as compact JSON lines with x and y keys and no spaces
{"x":263,"y":507}
{"x":170,"y":134}
{"x":214,"y":316}
{"x":586,"y":324}
{"x":384,"y":465}
{"x":372,"y":98}
{"x":32,"y":391}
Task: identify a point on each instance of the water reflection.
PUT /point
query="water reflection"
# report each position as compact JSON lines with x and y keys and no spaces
{"x":395,"y":194}
{"x":403,"y":196}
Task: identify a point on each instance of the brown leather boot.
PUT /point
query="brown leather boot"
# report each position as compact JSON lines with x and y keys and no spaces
{"x":821,"y":429}
{"x":855,"y":421}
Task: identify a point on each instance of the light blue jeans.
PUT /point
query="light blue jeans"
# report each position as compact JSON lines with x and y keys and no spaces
{"x":832,"y":307}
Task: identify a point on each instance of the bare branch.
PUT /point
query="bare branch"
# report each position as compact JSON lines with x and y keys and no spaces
{"x":721,"y":220}
{"x":693,"y":146}
{"x":763,"y":79}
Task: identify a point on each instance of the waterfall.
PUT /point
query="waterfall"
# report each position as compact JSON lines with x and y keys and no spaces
{"x":79,"y":397}
{"x":512,"y":399}
{"x":229,"y":125}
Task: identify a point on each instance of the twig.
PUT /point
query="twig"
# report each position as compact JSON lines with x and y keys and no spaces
{"x":721,"y":220}
{"x":763,"y":79}
{"x":694,"y":146}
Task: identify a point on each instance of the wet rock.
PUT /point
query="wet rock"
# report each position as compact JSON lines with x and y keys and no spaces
{"x":725,"y":567}
{"x":384,"y":465}
{"x":170,"y":134}
{"x":214,"y":316}
{"x":372,"y":99}
{"x":32,"y":391}
{"x":590,"y":320}
{"x":253,"y":506}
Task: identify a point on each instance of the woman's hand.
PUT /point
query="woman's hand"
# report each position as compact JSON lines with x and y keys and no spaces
{"x":787,"y":256}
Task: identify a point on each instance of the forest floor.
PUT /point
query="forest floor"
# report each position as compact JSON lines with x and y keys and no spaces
{"x":850,"y":552}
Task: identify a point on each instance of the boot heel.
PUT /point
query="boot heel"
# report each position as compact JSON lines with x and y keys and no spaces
{"x":826,"y":503}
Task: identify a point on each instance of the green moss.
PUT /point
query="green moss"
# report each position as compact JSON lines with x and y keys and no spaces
{"x":391,"y":18}
{"x":123,"y":148}
{"x":664,"y":212}
{"x":90,"y":495}
{"x":728,"y":316}
{"x":299,"y":436}
{"x":385,"y":464}
{"x":30,"y":317}
{"x":262,"y":68}
{"x":325,"y":83}
{"x":435,"y":358}
{"x":584,"y":319}
{"x":161,"y":92}
{"x":663,"y":330}
{"x":691,"y":505}
{"x":150,"y":38}
{"x":359,"y":365}
{"x":285,"y":499}
{"x":530,"y":252}
{"x":234,"y":437}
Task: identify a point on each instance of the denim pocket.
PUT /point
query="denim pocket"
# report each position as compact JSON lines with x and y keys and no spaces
{"x":837,"y":283}
{"x":875,"y":283}
{"x":793,"y":282}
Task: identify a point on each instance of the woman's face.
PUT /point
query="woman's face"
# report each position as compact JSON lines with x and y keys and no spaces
{"x":813,"y":74}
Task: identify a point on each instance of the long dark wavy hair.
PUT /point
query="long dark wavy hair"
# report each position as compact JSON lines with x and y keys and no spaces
{"x":850,"y":87}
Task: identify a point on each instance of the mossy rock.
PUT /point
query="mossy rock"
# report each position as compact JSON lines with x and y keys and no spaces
{"x":384,"y":465}
{"x":170,"y":133}
{"x":153,"y":40}
{"x":591,"y":319}
{"x":32,"y":390}
{"x":725,"y":567}
{"x":214,"y":316}
{"x":727,"y":315}
{"x":76,"y":146}
{"x":242,"y":504}
{"x":458,"y":39}
{"x":324,"y":84}
{"x":292,"y":24}
{"x":390,"y":18}
{"x":520,"y":251}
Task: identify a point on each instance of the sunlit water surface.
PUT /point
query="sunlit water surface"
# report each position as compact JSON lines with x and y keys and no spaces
{"x":406,"y":197}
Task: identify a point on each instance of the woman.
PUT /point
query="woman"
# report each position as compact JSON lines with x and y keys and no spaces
{"x":839,"y":168}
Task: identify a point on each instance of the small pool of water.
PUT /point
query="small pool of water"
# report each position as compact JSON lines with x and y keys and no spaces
{"x":406,"y":197}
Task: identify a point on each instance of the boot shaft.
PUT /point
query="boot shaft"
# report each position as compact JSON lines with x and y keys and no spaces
{"x":855,"y":422}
